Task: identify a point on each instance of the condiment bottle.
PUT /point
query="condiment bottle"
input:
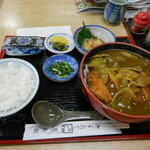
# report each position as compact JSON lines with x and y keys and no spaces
{"x":140,"y":23}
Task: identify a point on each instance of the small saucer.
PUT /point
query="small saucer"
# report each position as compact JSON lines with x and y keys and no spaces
{"x":22,"y":52}
{"x":60,"y":58}
{"x":49,"y":45}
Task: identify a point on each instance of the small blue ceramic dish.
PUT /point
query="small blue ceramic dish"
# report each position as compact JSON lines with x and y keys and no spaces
{"x":60,"y":58}
{"x":23,"y":45}
{"x":14,"y":51}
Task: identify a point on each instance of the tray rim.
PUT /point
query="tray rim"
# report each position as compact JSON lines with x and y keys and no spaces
{"x":77,"y":139}
{"x":83,"y":138}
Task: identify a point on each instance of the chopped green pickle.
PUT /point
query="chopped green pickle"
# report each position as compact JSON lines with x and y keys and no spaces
{"x":59,"y":46}
{"x":60,"y":69}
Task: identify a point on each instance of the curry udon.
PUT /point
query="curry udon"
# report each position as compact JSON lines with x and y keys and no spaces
{"x":121,"y":80}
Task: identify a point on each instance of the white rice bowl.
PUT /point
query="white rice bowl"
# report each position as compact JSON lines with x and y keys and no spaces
{"x":19,"y":82}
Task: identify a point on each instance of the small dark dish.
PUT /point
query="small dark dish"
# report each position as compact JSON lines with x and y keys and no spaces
{"x":61,"y":58}
{"x":97,"y":104}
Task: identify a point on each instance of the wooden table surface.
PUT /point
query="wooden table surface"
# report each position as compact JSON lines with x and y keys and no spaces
{"x":16,"y":14}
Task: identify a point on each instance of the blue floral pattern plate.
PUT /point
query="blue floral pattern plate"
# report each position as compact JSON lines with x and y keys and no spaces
{"x":64,"y":58}
{"x":22,"y":51}
{"x":23,"y":45}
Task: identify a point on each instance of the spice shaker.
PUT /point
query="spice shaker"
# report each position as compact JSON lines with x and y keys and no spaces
{"x":140,"y":23}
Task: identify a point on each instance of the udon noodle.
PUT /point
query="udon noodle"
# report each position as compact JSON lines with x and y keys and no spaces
{"x":121,"y":80}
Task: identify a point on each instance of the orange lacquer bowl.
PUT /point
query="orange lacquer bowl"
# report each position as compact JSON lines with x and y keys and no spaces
{"x":93,"y":100}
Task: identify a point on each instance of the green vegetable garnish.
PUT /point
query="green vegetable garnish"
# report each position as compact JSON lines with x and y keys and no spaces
{"x":59,"y":46}
{"x":84,"y":34}
{"x":60,"y":69}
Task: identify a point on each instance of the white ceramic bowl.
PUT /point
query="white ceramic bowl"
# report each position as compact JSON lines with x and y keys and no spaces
{"x":49,"y":44}
{"x":4,"y":63}
{"x":100,"y":32}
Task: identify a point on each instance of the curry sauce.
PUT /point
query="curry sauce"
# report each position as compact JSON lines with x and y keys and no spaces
{"x":121,"y":80}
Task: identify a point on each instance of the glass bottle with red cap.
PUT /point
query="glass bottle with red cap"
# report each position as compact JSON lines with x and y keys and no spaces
{"x":140,"y":23}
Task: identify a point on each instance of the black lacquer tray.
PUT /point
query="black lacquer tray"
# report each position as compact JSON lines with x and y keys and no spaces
{"x":67,"y":96}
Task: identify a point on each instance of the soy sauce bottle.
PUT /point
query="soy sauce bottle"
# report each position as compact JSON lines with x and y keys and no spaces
{"x":140,"y":23}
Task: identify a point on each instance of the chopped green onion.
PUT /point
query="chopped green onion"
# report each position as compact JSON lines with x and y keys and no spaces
{"x":60,"y":69}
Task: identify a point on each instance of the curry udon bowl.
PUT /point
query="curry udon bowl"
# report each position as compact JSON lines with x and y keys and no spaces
{"x":102,"y":97}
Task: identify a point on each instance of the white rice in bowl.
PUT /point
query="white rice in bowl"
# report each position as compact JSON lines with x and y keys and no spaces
{"x":17,"y":82}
